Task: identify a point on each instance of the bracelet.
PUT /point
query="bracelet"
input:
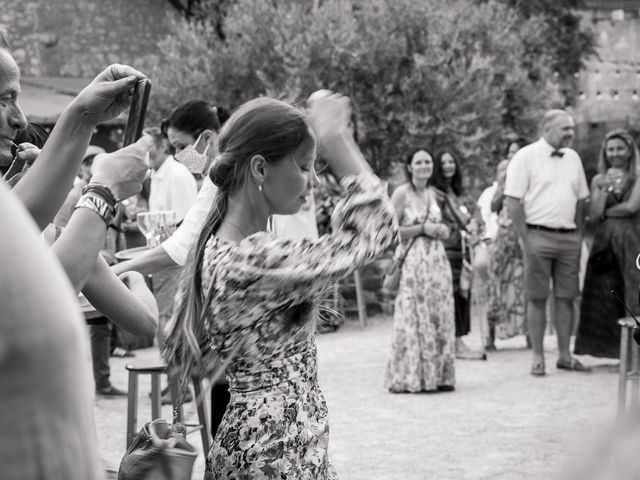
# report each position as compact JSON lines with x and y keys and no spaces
{"x":104,"y":191}
{"x":98,"y":205}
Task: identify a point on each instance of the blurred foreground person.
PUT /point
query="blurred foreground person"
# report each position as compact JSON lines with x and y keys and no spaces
{"x":46,"y":412}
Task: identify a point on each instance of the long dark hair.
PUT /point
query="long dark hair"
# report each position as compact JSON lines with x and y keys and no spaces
{"x":439,"y":181}
{"x":262,"y":126}
{"x":409,"y":159}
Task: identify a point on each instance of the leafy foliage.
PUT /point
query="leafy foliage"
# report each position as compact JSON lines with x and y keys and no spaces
{"x":460,"y":73}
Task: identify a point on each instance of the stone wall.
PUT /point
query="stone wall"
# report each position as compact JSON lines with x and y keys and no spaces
{"x":77,"y":38}
{"x":609,"y":86}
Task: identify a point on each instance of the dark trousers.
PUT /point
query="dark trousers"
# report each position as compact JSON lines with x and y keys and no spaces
{"x":100,"y":335}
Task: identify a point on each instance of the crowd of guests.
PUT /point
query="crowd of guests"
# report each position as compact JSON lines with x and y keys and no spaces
{"x":238,"y":286}
{"x":522,"y":241}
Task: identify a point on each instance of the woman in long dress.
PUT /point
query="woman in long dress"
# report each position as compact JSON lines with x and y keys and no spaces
{"x":459,"y":212}
{"x":506,"y":316}
{"x":252,"y":299}
{"x":423,"y":343}
{"x":615,"y":220}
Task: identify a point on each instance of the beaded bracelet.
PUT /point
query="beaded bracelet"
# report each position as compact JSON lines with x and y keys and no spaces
{"x":98,"y":204}
{"x":104,"y":191}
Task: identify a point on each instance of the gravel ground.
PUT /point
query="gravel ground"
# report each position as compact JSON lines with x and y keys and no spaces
{"x":500,"y":423}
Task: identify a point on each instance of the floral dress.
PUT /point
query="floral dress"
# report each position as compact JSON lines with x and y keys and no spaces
{"x":423,"y":342}
{"x":507,"y":304}
{"x":261,"y":321}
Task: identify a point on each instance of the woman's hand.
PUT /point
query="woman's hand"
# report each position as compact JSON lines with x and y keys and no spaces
{"x":443,"y":231}
{"x":329,"y":114}
{"x":602,"y":181}
{"x":107,"y":95}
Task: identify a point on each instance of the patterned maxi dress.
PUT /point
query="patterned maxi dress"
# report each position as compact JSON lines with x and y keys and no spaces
{"x":506,"y":289}
{"x":423,"y":344}
{"x":264,"y":307}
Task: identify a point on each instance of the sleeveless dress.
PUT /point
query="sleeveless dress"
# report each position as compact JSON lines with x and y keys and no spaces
{"x":611,"y":266}
{"x":423,"y":342}
{"x":262,"y":319}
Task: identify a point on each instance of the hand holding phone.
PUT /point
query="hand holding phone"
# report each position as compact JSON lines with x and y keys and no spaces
{"x":137,"y":111}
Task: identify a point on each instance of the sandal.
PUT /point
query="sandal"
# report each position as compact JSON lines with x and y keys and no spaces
{"x":120,"y":352}
{"x":574,"y":366}
{"x":537,"y":369}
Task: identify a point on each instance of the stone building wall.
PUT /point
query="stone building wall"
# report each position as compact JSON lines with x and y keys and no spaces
{"x":77,"y":38}
{"x":609,"y":87}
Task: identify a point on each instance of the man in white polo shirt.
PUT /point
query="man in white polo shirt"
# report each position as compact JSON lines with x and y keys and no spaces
{"x":545,"y":191}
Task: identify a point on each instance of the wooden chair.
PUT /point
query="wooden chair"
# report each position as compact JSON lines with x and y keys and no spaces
{"x":360,"y":306}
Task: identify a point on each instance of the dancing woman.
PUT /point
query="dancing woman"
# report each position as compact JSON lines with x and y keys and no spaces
{"x":255,"y":297}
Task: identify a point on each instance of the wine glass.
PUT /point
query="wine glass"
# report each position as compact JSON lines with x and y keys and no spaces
{"x":146,"y":226}
{"x":165,"y":225}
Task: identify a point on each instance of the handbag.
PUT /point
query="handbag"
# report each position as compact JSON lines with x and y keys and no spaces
{"x":391,"y":282}
{"x":158,"y":452}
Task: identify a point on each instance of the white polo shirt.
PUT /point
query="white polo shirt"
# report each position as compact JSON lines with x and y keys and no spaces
{"x":173,"y":187}
{"x":549,"y":187}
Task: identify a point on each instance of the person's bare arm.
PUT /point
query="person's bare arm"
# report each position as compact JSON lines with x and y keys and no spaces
{"x":133,"y":308}
{"x":516,"y":213}
{"x":150,"y":262}
{"x":628,"y":207}
{"x":580,"y":214}
{"x":44,"y":187}
{"x":78,"y":246}
{"x":497,"y":201}
{"x":598,"y":197}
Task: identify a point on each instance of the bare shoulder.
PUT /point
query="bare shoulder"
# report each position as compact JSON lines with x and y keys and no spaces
{"x":400,"y":193}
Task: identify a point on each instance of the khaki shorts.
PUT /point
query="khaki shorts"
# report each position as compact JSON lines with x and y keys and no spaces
{"x":555,"y":256}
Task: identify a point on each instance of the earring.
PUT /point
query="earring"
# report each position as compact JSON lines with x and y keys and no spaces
{"x":259,"y":187}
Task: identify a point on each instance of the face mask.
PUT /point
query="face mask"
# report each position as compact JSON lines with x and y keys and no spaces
{"x":195,"y":161}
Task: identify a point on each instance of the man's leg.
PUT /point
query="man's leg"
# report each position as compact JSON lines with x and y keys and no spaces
{"x":564,"y":322}
{"x":537,"y":271}
{"x":567,"y":287}
{"x":537,"y":323}
{"x":100,"y":336}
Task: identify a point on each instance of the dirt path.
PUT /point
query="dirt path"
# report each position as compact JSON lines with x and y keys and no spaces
{"x":500,"y":423}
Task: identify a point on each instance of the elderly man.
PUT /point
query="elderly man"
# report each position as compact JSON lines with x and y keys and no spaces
{"x":45,"y":408}
{"x":545,"y":191}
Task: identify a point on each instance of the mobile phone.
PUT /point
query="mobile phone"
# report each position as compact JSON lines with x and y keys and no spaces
{"x":137,"y":111}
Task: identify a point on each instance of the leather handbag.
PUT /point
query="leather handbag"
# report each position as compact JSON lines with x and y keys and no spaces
{"x":391,"y":282}
{"x":158,"y":452}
